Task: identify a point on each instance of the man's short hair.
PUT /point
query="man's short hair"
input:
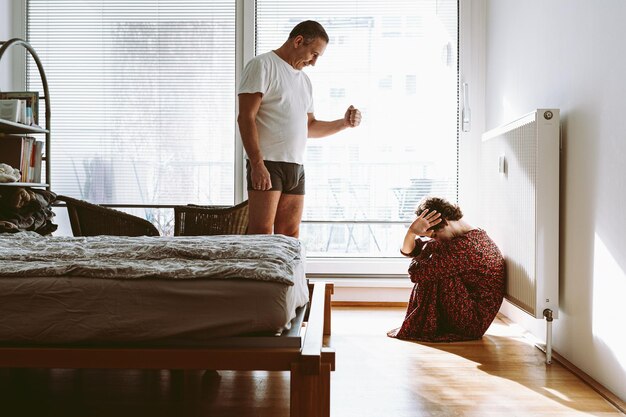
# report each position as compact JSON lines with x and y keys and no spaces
{"x":309,"y":30}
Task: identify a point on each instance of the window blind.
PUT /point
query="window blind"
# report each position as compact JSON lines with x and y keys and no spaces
{"x":397,"y":62}
{"x":142,"y":98}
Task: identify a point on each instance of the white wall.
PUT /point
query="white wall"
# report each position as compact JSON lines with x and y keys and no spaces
{"x":569,"y":54}
{"x":12,"y":26}
{"x":5,"y":34}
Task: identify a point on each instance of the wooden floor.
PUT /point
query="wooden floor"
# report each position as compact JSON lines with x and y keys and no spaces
{"x":501,"y":375}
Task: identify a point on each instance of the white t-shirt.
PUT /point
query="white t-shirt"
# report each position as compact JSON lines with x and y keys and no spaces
{"x":287,"y":98}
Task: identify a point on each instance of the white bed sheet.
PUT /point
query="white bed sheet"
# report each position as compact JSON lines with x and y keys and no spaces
{"x":76,"y":310}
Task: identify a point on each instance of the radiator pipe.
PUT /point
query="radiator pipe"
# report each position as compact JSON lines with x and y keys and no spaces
{"x":547,"y":313}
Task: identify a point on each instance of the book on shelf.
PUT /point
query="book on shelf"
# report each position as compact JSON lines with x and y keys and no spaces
{"x":11,"y":110}
{"x":37,"y":157}
{"x":28,"y":106}
{"x":23,"y":153}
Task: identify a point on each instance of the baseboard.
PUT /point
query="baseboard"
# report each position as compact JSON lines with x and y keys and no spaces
{"x":369,"y":290}
{"x":599,"y":388}
{"x":613,"y":399}
{"x":369,"y":304}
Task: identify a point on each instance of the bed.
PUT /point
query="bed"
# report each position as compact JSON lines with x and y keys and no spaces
{"x":219,"y":302}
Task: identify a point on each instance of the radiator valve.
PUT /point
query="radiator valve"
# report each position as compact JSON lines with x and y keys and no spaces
{"x":547,"y":313}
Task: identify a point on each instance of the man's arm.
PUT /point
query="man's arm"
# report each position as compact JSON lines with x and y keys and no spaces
{"x":248,"y":108}
{"x":320,"y":129}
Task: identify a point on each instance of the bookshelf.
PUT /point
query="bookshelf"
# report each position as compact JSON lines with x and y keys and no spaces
{"x":18,"y":128}
{"x":11,"y":128}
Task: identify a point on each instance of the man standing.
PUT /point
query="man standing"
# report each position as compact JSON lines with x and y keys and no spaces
{"x":275,"y":119}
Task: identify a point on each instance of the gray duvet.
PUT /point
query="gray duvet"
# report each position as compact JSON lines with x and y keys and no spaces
{"x":254,"y":257}
{"x":156,"y":290}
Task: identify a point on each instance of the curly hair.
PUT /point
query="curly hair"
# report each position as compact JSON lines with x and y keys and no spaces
{"x":309,"y":30}
{"x":449,"y":211}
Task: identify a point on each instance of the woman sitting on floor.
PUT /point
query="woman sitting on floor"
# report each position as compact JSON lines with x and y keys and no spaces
{"x":458,"y":273}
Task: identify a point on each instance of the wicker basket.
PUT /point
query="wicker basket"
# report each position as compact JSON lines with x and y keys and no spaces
{"x":192,"y":220}
{"x":89,"y":219}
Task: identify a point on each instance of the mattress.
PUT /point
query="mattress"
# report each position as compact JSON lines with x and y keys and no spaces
{"x":88,"y":310}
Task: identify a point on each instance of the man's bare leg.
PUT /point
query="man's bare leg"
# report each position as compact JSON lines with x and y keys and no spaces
{"x":289,"y":215}
{"x":262,"y":206}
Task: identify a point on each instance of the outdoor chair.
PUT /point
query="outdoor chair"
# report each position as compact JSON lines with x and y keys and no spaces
{"x":88,"y":219}
{"x":194,"y":220}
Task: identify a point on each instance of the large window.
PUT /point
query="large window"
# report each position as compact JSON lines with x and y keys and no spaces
{"x":143,"y":98}
{"x":396,"y":60}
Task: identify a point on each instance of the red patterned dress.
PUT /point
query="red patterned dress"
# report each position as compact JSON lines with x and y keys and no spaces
{"x":459,"y":286}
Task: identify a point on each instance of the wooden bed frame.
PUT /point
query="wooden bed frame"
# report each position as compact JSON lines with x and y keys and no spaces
{"x":310,"y":365}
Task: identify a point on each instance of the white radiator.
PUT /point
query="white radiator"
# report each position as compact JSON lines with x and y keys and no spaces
{"x":519,"y":193}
